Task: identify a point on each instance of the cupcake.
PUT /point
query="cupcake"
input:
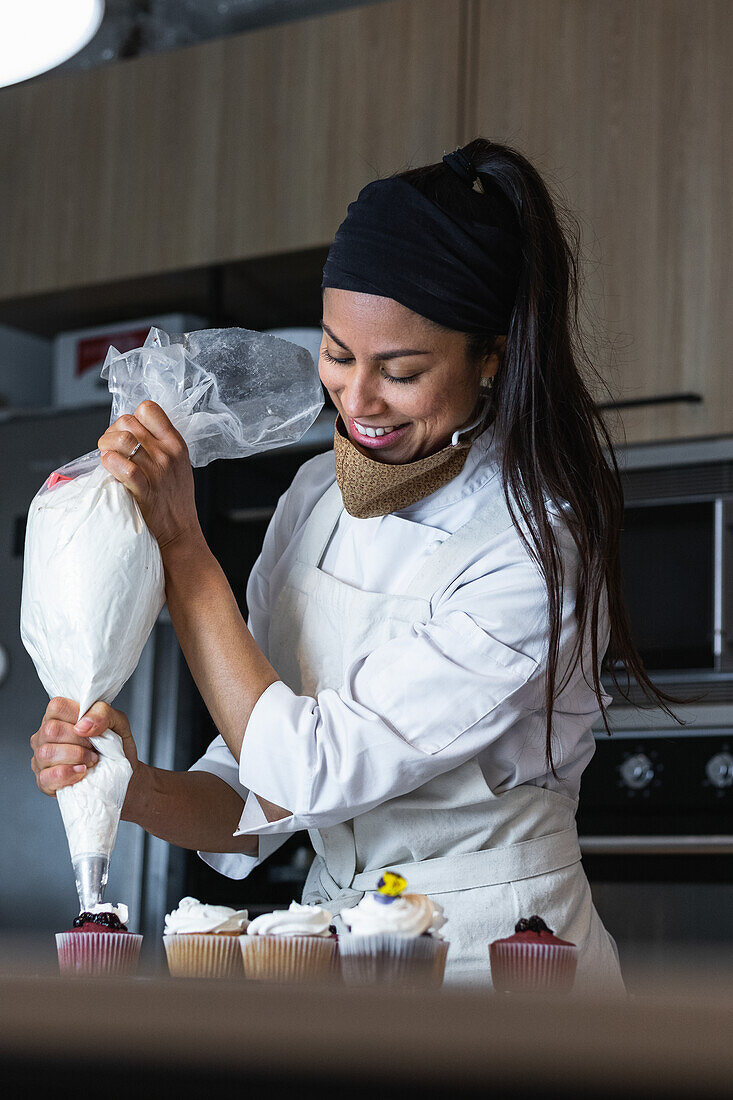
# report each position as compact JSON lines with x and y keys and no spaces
{"x":295,"y":944}
{"x":533,"y":960}
{"x":202,"y":941}
{"x":99,"y":943}
{"x":394,"y":938}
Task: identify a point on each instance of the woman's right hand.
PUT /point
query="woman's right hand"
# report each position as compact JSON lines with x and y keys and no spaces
{"x":62,"y":753}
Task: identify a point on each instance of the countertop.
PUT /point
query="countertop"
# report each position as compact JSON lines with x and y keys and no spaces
{"x":181,"y":1036}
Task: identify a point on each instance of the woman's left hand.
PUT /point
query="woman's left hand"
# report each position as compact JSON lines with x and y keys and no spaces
{"x":158,"y":474}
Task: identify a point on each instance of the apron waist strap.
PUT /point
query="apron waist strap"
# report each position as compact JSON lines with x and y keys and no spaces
{"x":444,"y":875}
{"x":449,"y":874}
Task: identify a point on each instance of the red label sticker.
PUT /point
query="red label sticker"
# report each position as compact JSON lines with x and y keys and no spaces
{"x":91,"y":351}
{"x":56,"y":478}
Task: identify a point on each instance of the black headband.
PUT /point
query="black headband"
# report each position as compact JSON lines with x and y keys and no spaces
{"x":460,"y":273}
{"x":460,"y":163}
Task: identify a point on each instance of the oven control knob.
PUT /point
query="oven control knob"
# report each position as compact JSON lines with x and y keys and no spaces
{"x":637,"y":771}
{"x":719,"y":769}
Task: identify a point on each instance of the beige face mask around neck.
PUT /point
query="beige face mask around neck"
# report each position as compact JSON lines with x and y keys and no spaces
{"x":370,"y":488}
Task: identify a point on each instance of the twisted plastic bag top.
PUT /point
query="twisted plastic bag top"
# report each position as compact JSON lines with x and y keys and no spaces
{"x":230,"y":392}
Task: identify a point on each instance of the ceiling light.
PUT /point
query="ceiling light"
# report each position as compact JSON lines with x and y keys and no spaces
{"x":37,"y":35}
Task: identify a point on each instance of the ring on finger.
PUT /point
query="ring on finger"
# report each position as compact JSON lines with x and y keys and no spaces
{"x":134,"y":450}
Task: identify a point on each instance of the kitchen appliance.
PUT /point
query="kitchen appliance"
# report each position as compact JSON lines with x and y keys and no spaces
{"x":308,"y":338}
{"x":25,"y":369}
{"x":78,"y":356}
{"x":655,"y":809}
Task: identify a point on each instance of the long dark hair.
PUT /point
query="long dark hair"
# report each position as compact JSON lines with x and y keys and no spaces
{"x":552,"y":432}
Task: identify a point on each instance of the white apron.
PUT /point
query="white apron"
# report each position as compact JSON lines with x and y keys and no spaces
{"x":487,"y":859}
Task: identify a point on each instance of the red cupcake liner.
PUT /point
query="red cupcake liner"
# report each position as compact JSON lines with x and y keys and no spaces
{"x":532,"y":967}
{"x":96,"y":954}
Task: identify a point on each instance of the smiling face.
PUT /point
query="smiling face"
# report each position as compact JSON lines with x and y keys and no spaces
{"x":386,"y":367}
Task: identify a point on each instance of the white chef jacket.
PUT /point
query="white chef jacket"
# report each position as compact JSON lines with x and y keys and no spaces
{"x":469,"y":683}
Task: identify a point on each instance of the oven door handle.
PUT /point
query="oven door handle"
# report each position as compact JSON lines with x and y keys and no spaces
{"x":249,"y":515}
{"x":656,"y":845}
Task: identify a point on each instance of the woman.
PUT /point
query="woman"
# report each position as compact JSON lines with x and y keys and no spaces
{"x":412,"y":685}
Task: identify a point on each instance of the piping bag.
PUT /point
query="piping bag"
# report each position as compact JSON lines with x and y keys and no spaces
{"x":93,"y":583}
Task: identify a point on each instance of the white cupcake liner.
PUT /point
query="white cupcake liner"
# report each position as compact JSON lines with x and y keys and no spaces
{"x":93,"y":954}
{"x":203,"y":955}
{"x":393,"y":960}
{"x":532,"y":967}
{"x":290,"y":958}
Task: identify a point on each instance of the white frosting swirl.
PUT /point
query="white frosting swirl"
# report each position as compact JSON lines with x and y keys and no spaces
{"x":120,"y":910}
{"x":409,"y":915}
{"x":298,"y":920}
{"x":193,"y":915}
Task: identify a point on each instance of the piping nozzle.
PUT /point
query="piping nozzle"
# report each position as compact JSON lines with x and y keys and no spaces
{"x":91,"y":872}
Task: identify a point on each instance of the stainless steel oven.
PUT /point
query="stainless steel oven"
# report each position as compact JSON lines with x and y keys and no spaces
{"x":656,"y":816}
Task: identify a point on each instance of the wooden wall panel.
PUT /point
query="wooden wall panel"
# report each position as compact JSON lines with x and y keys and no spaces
{"x":238,"y":147}
{"x":626,"y":107}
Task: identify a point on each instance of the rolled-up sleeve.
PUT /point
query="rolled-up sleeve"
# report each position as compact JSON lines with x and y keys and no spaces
{"x":409,"y":710}
{"x":218,"y":760}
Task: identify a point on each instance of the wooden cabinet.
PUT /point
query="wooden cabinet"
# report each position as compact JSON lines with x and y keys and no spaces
{"x":144,"y":176}
{"x":235,"y":148}
{"x":625,"y":106}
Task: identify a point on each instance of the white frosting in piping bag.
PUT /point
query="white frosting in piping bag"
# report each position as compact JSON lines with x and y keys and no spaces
{"x":193,"y":915}
{"x":408,"y":915}
{"x":298,"y":920}
{"x":92,"y":589}
{"x":91,"y":808}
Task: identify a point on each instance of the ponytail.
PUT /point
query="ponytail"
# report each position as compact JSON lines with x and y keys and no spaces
{"x":552,"y":432}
